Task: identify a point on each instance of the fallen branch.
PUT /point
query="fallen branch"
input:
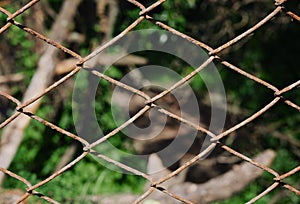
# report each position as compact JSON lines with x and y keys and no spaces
{"x":224,"y":186}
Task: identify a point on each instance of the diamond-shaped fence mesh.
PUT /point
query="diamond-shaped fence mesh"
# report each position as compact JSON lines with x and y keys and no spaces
{"x":44,"y":81}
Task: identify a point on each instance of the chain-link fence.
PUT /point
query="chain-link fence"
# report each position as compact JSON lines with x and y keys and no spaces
{"x":26,"y":109}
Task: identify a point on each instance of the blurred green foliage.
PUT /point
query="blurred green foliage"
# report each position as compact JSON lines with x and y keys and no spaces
{"x":273,"y":59}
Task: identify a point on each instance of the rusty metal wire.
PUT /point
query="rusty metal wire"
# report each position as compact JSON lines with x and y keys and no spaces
{"x":215,"y":139}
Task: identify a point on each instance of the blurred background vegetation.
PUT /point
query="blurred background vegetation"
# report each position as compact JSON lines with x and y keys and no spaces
{"x":270,"y":53}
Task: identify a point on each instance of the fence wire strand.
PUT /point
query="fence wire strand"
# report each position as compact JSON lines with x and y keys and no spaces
{"x":150,"y":103}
